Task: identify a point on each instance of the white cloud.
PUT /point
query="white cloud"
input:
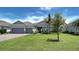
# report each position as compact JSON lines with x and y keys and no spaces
{"x":33,"y":19}
{"x":46,"y":8}
{"x":71,"y":19}
{"x":6,"y":19}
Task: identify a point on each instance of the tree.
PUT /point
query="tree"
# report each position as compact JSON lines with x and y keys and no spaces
{"x":57,"y":22}
{"x":76,"y":22}
{"x":49,"y":18}
{"x":49,"y":21}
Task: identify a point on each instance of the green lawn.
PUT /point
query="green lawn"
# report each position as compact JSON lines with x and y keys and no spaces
{"x":38,"y":42}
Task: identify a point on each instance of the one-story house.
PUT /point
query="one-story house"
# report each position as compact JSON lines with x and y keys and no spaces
{"x":71,"y":28}
{"x":21,"y":27}
{"x":5,"y":25}
{"x":43,"y":27}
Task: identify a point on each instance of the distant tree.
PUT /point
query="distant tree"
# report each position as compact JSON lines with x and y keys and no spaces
{"x":48,"y":19}
{"x":76,"y":22}
{"x":57,"y":22}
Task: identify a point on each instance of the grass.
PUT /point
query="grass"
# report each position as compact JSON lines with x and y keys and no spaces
{"x":38,"y":42}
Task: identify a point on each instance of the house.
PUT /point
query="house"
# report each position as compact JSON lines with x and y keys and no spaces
{"x":21,"y":27}
{"x":5,"y":25}
{"x":71,"y":28}
{"x":43,"y":27}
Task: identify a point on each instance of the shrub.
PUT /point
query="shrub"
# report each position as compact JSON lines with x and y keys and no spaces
{"x":35,"y":31}
{"x":46,"y":32}
{"x":65,"y":32}
{"x":2,"y":31}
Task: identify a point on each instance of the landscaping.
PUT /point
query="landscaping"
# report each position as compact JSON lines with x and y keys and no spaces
{"x":38,"y":42}
{"x":2,"y":31}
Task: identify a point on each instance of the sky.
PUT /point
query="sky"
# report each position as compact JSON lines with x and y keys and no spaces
{"x":37,"y":14}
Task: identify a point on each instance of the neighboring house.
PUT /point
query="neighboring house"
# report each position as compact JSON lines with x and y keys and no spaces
{"x":20,"y":27}
{"x":71,"y":28}
{"x":43,"y":27}
{"x":5,"y":25}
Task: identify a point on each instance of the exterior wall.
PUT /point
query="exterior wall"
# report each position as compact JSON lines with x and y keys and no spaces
{"x":71,"y":29}
{"x":29,"y":30}
{"x":46,"y":29}
{"x":17,"y":26}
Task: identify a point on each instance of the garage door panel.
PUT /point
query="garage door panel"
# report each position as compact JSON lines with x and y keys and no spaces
{"x":28,"y":30}
{"x":18,"y":30}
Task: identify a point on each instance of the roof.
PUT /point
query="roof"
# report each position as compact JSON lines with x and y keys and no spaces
{"x":4,"y":23}
{"x":18,"y":24}
{"x":42,"y":24}
{"x":29,"y":24}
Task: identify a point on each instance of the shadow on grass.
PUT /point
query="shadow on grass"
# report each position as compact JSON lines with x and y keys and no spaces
{"x":53,"y":40}
{"x":72,"y":34}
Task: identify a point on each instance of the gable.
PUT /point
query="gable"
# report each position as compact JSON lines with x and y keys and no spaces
{"x":42,"y":24}
{"x":18,"y":22}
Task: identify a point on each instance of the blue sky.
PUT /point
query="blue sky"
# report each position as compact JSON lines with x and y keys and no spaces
{"x":36,"y":14}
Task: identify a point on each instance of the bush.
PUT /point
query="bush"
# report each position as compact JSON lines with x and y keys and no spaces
{"x":35,"y":31}
{"x":71,"y":32}
{"x":46,"y":32}
{"x":65,"y":32}
{"x":2,"y":31}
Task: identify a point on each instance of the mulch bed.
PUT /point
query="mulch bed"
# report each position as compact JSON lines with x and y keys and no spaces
{"x":53,"y":40}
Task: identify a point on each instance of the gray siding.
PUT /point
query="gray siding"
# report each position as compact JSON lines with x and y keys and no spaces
{"x":29,"y":30}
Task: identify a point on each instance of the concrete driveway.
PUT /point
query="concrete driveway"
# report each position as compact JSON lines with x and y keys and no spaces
{"x":10,"y":36}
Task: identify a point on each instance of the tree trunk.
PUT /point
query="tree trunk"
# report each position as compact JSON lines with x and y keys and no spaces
{"x":58,"y":34}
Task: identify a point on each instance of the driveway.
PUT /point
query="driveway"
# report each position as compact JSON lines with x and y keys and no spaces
{"x":10,"y":36}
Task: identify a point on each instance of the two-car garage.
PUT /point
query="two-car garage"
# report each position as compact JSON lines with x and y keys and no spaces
{"x":21,"y":30}
{"x":18,"y":30}
{"x":20,"y":27}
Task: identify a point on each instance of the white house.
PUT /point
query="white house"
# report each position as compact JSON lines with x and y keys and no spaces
{"x":44,"y":27}
{"x":5,"y":25}
{"x":71,"y":28}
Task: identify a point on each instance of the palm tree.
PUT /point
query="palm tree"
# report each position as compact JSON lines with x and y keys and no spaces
{"x":57,"y":22}
{"x":48,"y":20}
